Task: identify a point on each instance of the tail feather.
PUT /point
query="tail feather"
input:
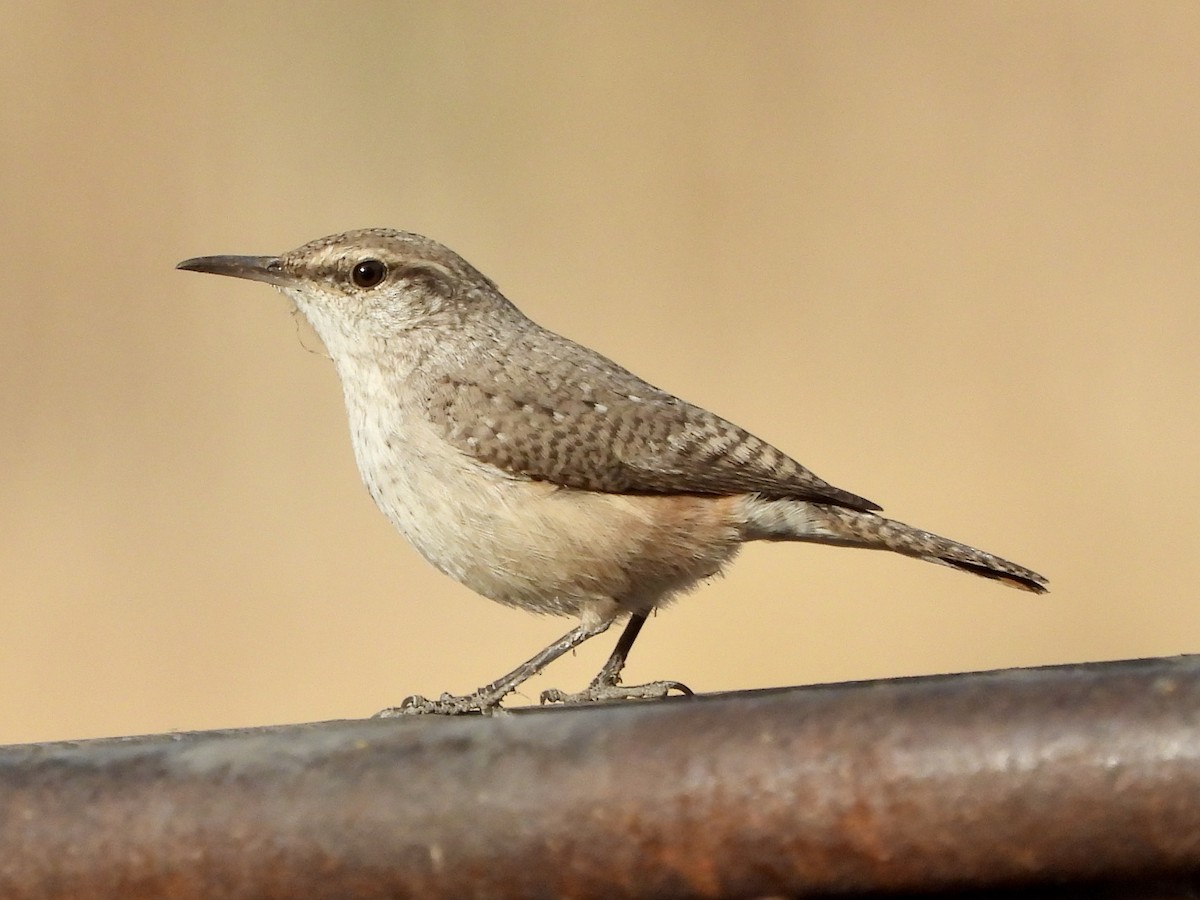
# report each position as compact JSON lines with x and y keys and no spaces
{"x":795,"y":520}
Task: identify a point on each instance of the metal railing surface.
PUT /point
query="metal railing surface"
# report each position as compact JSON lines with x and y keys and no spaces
{"x":1005,"y":781}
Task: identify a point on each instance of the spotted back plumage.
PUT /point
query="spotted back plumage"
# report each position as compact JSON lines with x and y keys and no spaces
{"x":549,"y":409}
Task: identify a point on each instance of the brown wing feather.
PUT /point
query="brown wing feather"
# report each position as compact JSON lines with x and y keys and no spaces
{"x":574,"y":418}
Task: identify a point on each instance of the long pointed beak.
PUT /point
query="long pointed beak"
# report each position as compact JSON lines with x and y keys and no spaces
{"x":256,"y":268}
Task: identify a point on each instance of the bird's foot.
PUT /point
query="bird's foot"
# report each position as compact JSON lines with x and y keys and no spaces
{"x":487,"y":699}
{"x":482,"y":701}
{"x":600,"y":691}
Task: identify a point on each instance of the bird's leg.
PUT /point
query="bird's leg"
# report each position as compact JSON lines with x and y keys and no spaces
{"x":487,"y":699}
{"x":606,"y":685}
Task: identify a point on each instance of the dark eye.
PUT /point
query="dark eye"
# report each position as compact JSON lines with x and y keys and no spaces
{"x":368,"y":273}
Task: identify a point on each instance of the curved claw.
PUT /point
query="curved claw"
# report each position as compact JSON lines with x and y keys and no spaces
{"x":683,"y":689}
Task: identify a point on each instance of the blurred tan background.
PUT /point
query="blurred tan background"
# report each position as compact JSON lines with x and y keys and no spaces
{"x":945,"y":254}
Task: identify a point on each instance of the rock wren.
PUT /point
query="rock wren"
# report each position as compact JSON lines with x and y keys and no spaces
{"x":536,"y":471}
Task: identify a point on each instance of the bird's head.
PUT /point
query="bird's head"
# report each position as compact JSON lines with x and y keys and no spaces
{"x":364,"y":287}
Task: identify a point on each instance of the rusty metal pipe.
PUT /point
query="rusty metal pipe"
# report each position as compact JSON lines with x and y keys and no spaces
{"x":995,"y":779}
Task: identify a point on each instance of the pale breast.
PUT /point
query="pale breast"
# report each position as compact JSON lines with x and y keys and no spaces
{"x":531,"y":544}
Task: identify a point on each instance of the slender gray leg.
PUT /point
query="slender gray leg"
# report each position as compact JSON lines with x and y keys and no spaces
{"x":606,"y":686}
{"x":487,"y":698}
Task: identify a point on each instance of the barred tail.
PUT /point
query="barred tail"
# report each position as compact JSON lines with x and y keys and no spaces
{"x":797,"y":520}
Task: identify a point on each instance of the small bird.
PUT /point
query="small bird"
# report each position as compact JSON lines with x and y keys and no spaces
{"x":539,"y":473}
